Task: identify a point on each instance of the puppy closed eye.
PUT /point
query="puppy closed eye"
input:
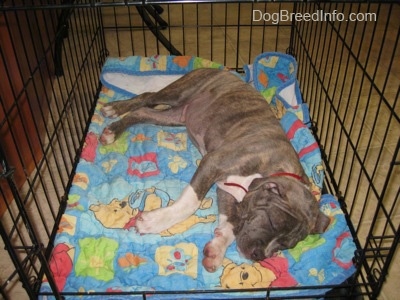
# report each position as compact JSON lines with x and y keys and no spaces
{"x":249,"y":218}
{"x":272,"y":223}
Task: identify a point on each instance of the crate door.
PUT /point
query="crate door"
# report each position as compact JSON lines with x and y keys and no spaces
{"x":26,"y":67}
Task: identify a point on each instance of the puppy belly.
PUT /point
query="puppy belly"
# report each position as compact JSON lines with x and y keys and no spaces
{"x":161,"y":219}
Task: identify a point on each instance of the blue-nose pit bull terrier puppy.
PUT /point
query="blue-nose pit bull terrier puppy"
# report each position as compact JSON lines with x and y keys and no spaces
{"x":264,"y":196}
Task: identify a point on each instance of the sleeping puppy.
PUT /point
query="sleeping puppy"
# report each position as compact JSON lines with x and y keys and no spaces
{"x":264,"y":196}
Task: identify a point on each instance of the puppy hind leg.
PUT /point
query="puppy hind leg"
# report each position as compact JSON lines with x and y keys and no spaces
{"x":118,"y":108}
{"x":172,"y":96}
{"x":115,"y":129}
{"x":176,"y":94}
{"x":169,"y":117}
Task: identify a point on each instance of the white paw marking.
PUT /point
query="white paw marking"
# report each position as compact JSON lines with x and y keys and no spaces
{"x":214,"y":251}
{"x":109,"y":112}
{"x":154,"y":221}
{"x":161,"y":219}
{"x":107,"y":137}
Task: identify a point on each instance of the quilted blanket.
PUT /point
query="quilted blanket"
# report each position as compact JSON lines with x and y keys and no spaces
{"x":97,"y":248}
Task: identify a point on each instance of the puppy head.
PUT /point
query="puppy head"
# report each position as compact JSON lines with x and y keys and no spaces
{"x":276,"y":214}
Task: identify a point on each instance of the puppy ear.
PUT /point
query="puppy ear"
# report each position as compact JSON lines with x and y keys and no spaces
{"x":256,"y":183}
{"x":265,"y":184}
{"x":273,"y":187}
{"x":321,"y":223}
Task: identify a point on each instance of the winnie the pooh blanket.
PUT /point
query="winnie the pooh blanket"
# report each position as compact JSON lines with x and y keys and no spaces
{"x":97,"y":249}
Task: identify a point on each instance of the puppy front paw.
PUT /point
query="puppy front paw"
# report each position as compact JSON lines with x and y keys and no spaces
{"x":213,"y":256}
{"x":154,"y":221}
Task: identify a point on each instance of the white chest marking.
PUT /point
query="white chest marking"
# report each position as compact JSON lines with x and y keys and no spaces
{"x":235,"y":191}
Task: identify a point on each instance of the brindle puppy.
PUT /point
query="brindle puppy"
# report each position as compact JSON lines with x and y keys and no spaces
{"x":264,"y":196}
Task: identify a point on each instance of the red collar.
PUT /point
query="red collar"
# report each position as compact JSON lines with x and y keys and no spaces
{"x":279,"y":174}
{"x":237,"y":185}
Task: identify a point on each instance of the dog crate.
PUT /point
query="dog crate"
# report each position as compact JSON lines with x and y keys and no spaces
{"x":52,"y":53}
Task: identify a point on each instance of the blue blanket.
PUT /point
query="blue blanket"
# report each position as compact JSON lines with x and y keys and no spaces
{"x":97,"y":248}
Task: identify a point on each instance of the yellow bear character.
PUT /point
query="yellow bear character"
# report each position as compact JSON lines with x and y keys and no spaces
{"x":245,"y":276}
{"x":272,"y":271}
{"x":122,"y":214}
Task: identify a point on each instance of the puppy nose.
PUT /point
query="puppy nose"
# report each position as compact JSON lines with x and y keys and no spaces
{"x":257,"y":254}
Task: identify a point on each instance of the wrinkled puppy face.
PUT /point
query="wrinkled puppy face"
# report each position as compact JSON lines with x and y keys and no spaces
{"x":276,"y":214}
